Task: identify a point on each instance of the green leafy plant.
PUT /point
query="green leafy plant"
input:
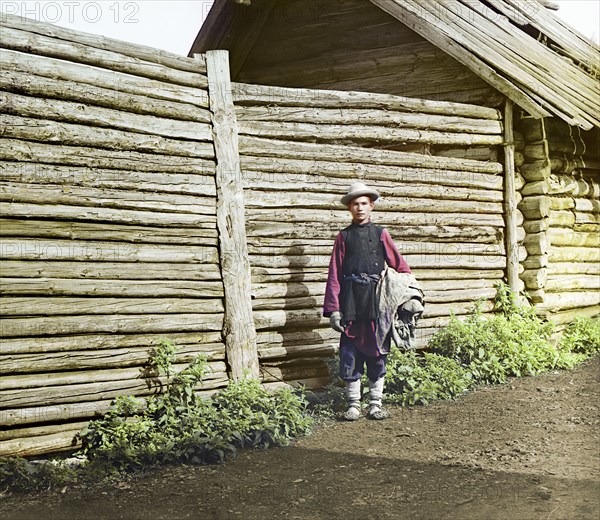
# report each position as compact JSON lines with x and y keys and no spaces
{"x":419,"y":379}
{"x":582,"y":336}
{"x":512,"y":342}
{"x":19,"y":474}
{"x":179,"y":425}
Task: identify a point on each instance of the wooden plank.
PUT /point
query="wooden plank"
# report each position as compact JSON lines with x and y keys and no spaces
{"x":37,"y":173}
{"x":133,"y":50}
{"x":114,"y":288}
{"x":510,"y":202}
{"x":27,"y":128}
{"x":24,"y":62}
{"x":99,"y":197}
{"x":73,"y":112}
{"x":89,"y":250}
{"x":76,"y":156}
{"x":259,"y":147}
{"x":17,"y":39}
{"x":110,"y":270}
{"x":238,"y":325}
{"x":246,"y":94}
{"x":31,"y":84}
{"x":116,"y":323}
{"x":109,"y":341}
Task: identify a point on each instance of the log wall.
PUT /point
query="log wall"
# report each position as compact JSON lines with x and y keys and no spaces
{"x":436,"y":166}
{"x":109,"y":237}
{"x":561,"y":203}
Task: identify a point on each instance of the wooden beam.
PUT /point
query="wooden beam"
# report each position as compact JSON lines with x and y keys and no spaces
{"x":238,"y":328}
{"x":510,"y":201}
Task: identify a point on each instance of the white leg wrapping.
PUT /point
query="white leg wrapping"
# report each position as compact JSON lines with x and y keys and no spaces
{"x":375,"y":398}
{"x":353,"y":400}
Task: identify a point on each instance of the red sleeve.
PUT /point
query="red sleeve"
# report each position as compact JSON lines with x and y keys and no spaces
{"x":393,"y":257}
{"x":334,"y":278}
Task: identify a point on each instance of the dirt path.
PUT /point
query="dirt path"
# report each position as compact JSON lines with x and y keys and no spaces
{"x":527,"y":450}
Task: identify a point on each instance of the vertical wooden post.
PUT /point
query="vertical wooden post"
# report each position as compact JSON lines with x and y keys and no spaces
{"x":238,"y":328}
{"x":510,"y":201}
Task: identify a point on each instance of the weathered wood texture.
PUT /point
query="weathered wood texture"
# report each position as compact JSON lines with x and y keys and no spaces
{"x":109,"y":239}
{"x":300,"y":149}
{"x":561,"y":204}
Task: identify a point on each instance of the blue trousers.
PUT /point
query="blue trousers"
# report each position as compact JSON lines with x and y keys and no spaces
{"x":353,"y":361}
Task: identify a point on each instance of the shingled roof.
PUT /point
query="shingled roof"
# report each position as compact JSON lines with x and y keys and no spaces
{"x":522,"y":49}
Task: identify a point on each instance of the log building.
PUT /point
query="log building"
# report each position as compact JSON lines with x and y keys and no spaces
{"x":149,"y":196}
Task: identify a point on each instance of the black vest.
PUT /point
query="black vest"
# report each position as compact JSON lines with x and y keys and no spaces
{"x":364,"y":250}
{"x":364,"y":255}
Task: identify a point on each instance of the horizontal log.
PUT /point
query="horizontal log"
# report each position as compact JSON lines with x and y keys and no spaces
{"x":565,"y":282}
{"x":360,"y":133}
{"x":298,"y":232}
{"x":561,"y":203}
{"x":27,"y":63}
{"x":314,"y":171}
{"x":30,"y":151}
{"x":100,"y":197}
{"x":40,"y":86}
{"x":37,"y":431}
{"x":271,"y":374}
{"x":534,"y":278}
{"x":287,"y":352}
{"x":77,"y":377}
{"x":565,"y":219}
{"x":115,"y":323}
{"x":19,"y":40}
{"x":72,"y":112}
{"x":64,"y":305}
{"x":48,"y":363}
{"x":74,"y":411}
{"x":381,"y":117}
{"x":310,"y":383}
{"x":245,"y":94}
{"x":390,"y":202}
{"x":574,"y":268}
{"x":568,"y":316}
{"x":121,"y":288}
{"x":260,"y":147}
{"x":100,"y":342}
{"x":25,"y":446}
{"x":35,"y":173}
{"x":84,"y":392}
{"x":47,"y":131}
{"x":289,"y":302}
{"x":97,"y":214}
{"x":536,"y":261}
{"x":551,"y":186}
{"x":306,"y":338}
{"x":89,"y":250}
{"x":440,"y":260}
{"x":537,"y":243}
{"x":133,"y":50}
{"x":309,"y":185}
{"x":536,"y":170}
{"x":587,"y":218}
{"x":111,"y":270}
{"x":566,"y":237}
{"x":554,"y":302}
{"x":534,"y":208}
{"x":536,"y":226}
{"x":339,"y":218}
{"x":586,"y":205}
{"x":574,"y":254}
{"x":29,"y":228}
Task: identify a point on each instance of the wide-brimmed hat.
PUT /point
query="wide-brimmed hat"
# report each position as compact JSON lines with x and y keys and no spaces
{"x":358,"y":189}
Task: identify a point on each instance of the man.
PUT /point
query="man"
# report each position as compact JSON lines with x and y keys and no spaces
{"x":360,"y":253}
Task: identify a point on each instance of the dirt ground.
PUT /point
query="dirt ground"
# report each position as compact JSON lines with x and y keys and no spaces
{"x":526,"y":450}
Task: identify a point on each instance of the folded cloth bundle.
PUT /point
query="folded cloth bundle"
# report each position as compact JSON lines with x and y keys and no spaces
{"x":400,"y":303}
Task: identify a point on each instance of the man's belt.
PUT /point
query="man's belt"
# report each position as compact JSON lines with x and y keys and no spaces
{"x":362,"y":278}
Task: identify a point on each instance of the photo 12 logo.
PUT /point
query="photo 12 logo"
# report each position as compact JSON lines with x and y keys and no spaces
{"x":72,"y":12}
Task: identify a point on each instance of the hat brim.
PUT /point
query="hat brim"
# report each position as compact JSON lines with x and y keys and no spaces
{"x":372,"y":194}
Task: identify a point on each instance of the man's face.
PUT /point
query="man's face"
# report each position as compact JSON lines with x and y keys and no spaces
{"x":361,"y":208}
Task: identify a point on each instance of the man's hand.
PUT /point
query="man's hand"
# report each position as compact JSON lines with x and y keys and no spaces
{"x":335,"y":321}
